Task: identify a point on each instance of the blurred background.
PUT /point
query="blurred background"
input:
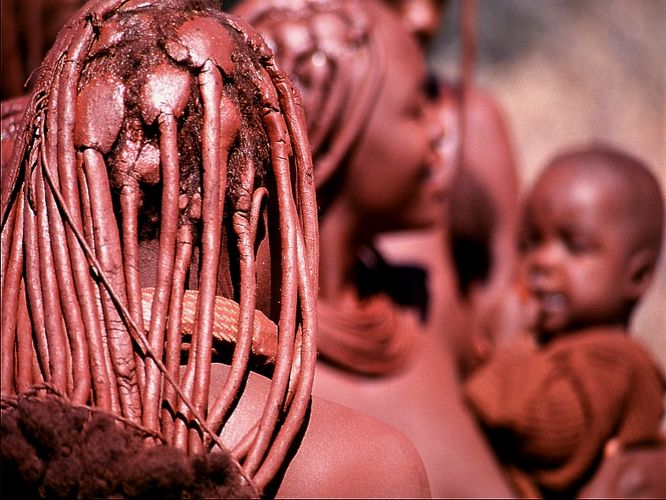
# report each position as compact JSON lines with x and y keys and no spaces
{"x":566,"y":72}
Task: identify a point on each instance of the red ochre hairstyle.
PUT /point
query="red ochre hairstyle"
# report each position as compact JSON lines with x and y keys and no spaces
{"x":164,"y":121}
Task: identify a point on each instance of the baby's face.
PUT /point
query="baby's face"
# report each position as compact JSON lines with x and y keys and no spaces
{"x":576,"y":249}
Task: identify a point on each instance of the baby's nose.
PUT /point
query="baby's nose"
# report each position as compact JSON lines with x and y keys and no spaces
{"x":543,"y":260}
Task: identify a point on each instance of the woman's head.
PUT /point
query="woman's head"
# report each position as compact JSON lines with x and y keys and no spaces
{"x":363,"y":83}
{"x":161,"y":148}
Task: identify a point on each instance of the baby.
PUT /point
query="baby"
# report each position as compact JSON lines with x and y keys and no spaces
{"x":592,"y":234}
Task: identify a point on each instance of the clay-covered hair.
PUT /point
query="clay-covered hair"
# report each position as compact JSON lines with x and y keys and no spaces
{"x":163,"y":121}
{"x":328,"y":48}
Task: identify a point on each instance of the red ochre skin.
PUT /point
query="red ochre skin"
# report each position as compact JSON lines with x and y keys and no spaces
{"x":128,"y":146}
{"x":382,"y":173}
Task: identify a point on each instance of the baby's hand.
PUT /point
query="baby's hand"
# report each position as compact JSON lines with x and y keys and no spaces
{"x":512,"y":316}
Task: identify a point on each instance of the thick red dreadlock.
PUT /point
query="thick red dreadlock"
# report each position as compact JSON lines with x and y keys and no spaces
{"x":161,"y":121}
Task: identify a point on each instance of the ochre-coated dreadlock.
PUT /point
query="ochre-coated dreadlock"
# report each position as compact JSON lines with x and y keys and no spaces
{"x":169,"y":121}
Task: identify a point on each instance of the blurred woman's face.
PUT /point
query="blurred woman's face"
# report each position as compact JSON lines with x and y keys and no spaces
{"x":393,"y":180}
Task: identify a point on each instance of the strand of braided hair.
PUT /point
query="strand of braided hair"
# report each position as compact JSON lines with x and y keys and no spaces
{"x":174,"y":116}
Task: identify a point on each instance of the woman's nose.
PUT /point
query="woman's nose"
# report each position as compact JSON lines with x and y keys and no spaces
{"x":440,"y":163}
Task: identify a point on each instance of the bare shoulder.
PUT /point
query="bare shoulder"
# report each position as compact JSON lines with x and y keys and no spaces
{"x":487,"y":136}
{"x":482,"y":104}
{"x":347,"y":454}
{"x":342,"y":453}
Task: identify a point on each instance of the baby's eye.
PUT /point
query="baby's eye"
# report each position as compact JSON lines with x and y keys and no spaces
{"x":577,"y":244}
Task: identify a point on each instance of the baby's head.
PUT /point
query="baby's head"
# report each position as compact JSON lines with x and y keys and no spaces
{"x":592,"y":230}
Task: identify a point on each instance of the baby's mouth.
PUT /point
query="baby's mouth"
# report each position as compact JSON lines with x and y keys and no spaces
{"x":551,"y":302}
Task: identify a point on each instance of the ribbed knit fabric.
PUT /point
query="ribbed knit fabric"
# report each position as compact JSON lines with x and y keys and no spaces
{"x":555,"y":408}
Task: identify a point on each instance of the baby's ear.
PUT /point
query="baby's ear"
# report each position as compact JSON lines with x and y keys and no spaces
{"x":639,"y":273}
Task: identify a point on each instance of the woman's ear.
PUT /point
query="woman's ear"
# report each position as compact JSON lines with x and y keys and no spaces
{"x":639,"y":273}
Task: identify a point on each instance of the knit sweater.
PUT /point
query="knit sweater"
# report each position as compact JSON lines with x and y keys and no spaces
{"x":550,"y":411}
